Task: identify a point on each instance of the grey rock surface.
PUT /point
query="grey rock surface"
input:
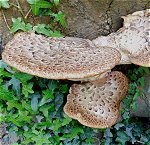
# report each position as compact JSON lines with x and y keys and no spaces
{"x":5,"y":35}
{"x":92,"y":18}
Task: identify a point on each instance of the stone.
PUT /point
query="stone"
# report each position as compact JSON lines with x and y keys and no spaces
{"x":92,"y":18}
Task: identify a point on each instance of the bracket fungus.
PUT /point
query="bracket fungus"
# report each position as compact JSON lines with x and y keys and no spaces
{"x":94,"y":103}
{"x":133,"y":40}
{"x":59,"y":58}
{"x":97,"y":106}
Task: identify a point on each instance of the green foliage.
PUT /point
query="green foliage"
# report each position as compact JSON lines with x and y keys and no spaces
{"x":136,"y":76}
{"x":33,"y":108}
{"x":124,"y":133}
{"x":18,"y":24}
{"x":129,"y":130}
{"x":4,"y":4}
{"x":56,"y":2}
{"x":45,"y":29}
{"x":39,"y":8}
{"x":59,"y":17}
{"x":37,"y":5}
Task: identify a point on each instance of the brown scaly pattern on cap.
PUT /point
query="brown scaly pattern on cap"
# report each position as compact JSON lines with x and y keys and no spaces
{"x":133,"y":40}
{"x":58,"y":58}
{"x":97,"y":106}
{"x":134,"y":37}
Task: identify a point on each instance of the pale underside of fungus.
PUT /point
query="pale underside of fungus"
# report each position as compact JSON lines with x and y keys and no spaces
{"x":133,"y":40}
{"x":97,"y":106}
{"x":59,"y":58}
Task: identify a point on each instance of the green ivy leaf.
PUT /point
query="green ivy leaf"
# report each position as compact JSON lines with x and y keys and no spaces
{"x":56,"y":2}
{"x":41,"y":139}
{"x":15,"y":144}
{"x":4,"y":4}
{"x":15,"y":85}
{"x":7,"y":67}
{"x":118,"y":126}
{"x":129,"y":131}
{"x":122,"y":137}
{"x":34,"y":101}
{"x":58,"y":100}
{"x":35,"y":10}
{"x":4,"y":73}
{"x":108,"y":133}
{"x":64,"y":88}
{"x":5,"y":94}
{"x":52,"y":85}
{"x":24,"y":117}
{"x":14,"y":104}
{"x":41,"y":29}
{"x":134,"y":106}
{"x":18,"y":24}
{"x":137,"y":94}
{"x":56,"y":124}
{"x":47,"y":97}
{"x":59,"y":17}
{"x":46,"y":109}
{"x":142,"y":70}
{"x":56,"y":34}
{"x":74,"y":133}
{"x":33,"y":2}
{"x":36,"y":5}
{"x":27,"y":89}
{"x":23,"y":77}
{"x":90,"y":140}
{"x":126,"y":115}
{"x":141,"y":81}
{"x":144,"y":139}
{"x":66,"y":120}
{"x":108,"y":141}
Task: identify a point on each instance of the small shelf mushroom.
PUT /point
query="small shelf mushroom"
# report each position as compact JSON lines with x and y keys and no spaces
{"x":133,"y":40}
{"x":59,"y":58}
{"x":97,"y":106}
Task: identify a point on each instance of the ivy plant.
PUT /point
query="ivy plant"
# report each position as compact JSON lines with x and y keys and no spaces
{"x":33,"y":109}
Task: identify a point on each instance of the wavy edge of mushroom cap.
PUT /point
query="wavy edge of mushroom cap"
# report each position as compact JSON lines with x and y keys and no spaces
{"x":97,"y":106}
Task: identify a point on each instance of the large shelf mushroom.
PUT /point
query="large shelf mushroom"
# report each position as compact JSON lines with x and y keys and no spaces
{"x":133,"y":40}
{"x":59,"y":58}
{"x":94,"y":103}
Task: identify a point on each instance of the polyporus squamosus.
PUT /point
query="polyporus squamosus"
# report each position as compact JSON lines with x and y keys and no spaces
{"x":97,"y":106}
{"x":133,"y":40}
{"x":96,"y":103}
{"x":59,"y":58}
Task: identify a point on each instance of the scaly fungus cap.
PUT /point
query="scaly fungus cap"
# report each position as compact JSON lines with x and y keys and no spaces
{"x":133,"y":40}
{"x":134,"y":37}
{"x":97,"y":106}
{"x":58,"y":58}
